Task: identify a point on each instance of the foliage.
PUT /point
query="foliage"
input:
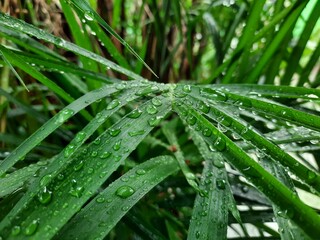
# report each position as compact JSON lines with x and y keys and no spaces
{"x":228,"y":122}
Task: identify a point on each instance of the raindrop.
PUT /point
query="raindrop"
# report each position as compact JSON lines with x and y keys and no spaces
{"x":156,"y":101}
{"x":220,"y":183}
{"x":45,"y":180}
{"x":94,"y":153}
{"x":154,"y":121}
{"x":125,"y":208}
{"x":114,"y":132}
{"x":64,"y":115}
{"x":136,"y":133}
{"x":69,"y":150}
{"x":97,"y":141}
{"x":80,"y":136}
{"x":135,"y":113}
{"x":220,"y":144}
{"x":113,"y":104}
{"x":146,"y":91}
{"x":219,"y":163}
{"x":117,"y":145}
{"x":203,"y":107}
{"x":311,"y":175}
{"x":186,"y":88}
{"x":78,"y":166}
{"x":15,"y":230}
{"x":125,"y":191}
{"x":206,"y":132}
{"x":314,"y":141}
{"x":152,"y":110}
{"x":140,"y":172}
{"x":76,"y":191}
{"x":191,"y":120}
{"x":89,"y":15}
{"x":31,"y":228}
{"x":105,"y":155}
{"x":100,"y":200}
{"x":45,"y":196}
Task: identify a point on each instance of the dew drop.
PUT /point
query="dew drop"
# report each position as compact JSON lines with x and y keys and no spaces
{"x":140,"y":172}
{"x":76,"y":191}
{"x":191,"y":120}
{"x":89,"y":16}
{"x":80,"y":136}
{"x":78,"y":166}
{"x":114,"y":132}
{"x":97,"y":141}
{"x":15,"y":230}
{"x":100,"y":200}
{"x":136,"y":133}
{"x":206,"y":132}
{"x":218,"y":162}
{"x":220,"y":144}
{"x":64,"y":115}
{"x":105,"y":155}
{"x":156,"y":102}
{"x":94,"y":153}
{"x":311,"y":175}
{"x":117,"y":145}
{"x":45,"y":180}
{"x":186,"y":88}
{"x":152,"y":110}
{"x":220,"y":183}
{"x":203,"y":107}
{"x":113,"y":104}
{"x":125,"y":191}
{"x":31,"y":228}
{"x":69,"y":150}
{"x":45,"y":196}
{"x":154,"y":121}
{"x":135,"y":113}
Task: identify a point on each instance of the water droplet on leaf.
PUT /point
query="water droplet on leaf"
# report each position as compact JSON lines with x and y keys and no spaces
{"x":125,"y":191}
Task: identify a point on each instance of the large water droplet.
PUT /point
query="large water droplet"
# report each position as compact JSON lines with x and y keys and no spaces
{"x":31,"y":228}
{"x":156,"y":101}
{"x":64,"y":115}
{"x":114,"y":132}
{"x":220,"y":183}
{"x":69,"y":150}
{"x":15,"y":230}
{"x":78,"y":166}
{"x":206,"y":132}
{"x":117,"y":145}
{"x":100,"y":200}
{"x":113,"y":104}
{"x":220,"y":144}
{"x":186,"y":88}
{"x":218,"y":162}
{"x":44,"y":196}
{"x":152,"y":110}
{"x":203,"y":107}
{"x":45,"y":180}
{"x":76,"y":191}
{"x":89,"y":16}
{"x":135,"y":113}
{"x":105,"y":155}
{"x":146,"y":91}
{"x":80,"y":136}
{"x":191,"y":120}
{"x":140,"y":172}
{"x":136,"y":133}
{"x":311,"y":175}
{"x":97,"y":141}
{"x":154,"y":121}
{"x":125,"y":191}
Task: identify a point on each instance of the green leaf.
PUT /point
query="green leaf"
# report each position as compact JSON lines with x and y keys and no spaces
{"x":110,"y":205}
